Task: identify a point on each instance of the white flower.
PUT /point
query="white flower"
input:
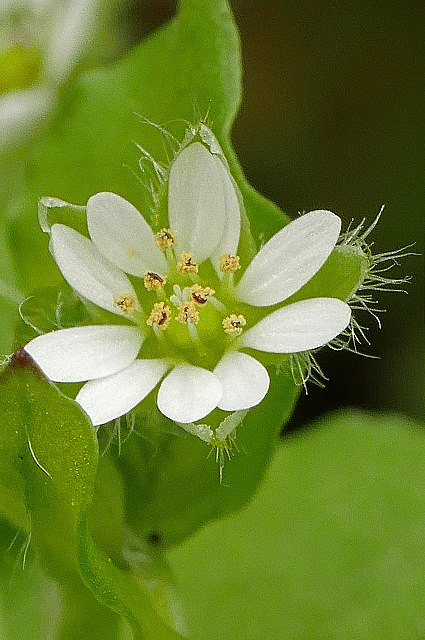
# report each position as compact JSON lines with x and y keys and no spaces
{"x":53,"y":34}
{"x":183,"y":323}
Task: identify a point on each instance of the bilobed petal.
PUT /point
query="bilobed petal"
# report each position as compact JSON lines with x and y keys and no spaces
{"x":189,"y":393}
{"x":123,"y":236}
{"x":289,"y":259}
{"x":88,"y":271}
{"x":229,"y":241}
{"x":244,"y":380}
{"x":197,"y":201}
{"x":300,"y":326}
{"x":84,"y":353}
{"x":115,"y":395}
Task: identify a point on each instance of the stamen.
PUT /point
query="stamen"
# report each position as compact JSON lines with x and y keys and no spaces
{"x":233,"y":324}
{"x":200,"y":294}
{"x":188,"y":313}
{"x":165,"y":239}
{"x":154,"y":280}
{"x":125,"y":303}
{"x":229,"y":263}
{"x":186,"y":263}
{"x":159,"y":316}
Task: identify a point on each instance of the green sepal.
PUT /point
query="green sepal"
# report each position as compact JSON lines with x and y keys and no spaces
{"x":340,"y":277}
{"x":55,"y":211}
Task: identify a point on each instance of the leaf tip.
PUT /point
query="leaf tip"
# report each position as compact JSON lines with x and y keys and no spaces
{"x":21,"y":359}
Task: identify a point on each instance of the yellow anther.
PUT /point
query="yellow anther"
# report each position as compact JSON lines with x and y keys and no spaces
{"x":233,"y":324}
{"x":160,"y":315}
{"x":188,"y":313}
{"x":228,"y":263}
{"x":125,"y":303}
{"x":186,"y":263}
{"x":153,"y":280}
{"x":200,"y":294}
{"x":165,"y":239}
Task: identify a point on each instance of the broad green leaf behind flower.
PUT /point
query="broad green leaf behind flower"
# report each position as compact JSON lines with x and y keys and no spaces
{"x":332,"y":546}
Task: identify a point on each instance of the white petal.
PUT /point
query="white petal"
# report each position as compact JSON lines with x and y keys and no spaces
{"x":300,"y":326}
{"x":87,"y":271}
{"x":123,"y":236}
{"x":111,"y":397}
{"x":189,"y":393}
{"x":244,"y":380}
{"x":83,"y":353}
{"x":289,"y":259}
{"x":196,"y":201}
{"x":229,"y":241}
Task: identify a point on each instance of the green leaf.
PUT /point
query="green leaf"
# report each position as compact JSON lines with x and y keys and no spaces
{"x":51,"y":453}
{"x":28,"y":599}
{"x":331,"y":547}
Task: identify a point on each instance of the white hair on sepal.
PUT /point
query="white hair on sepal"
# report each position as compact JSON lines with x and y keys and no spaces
{"x":222,"y":439}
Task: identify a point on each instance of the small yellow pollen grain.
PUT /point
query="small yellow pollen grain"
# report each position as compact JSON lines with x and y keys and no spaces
{"x":229,"y":264}
{"x":200,"y":294}
{"x":125,"y":303}
{"x":153,"y":280}
{"x":132,"y":253}
{"x":186,"y":263}
{"x":165,"y":239}
{"x":160,"y":315}
{"x":233,"y":324}
{"x":188,"y":313}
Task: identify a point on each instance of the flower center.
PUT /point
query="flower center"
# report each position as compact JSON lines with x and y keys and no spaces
{"x":190,"y":322}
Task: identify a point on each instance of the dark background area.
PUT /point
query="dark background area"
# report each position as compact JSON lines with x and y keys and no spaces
{"x":332,"y":117}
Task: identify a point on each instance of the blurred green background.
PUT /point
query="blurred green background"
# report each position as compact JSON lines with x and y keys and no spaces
{"x":332,"y":117}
